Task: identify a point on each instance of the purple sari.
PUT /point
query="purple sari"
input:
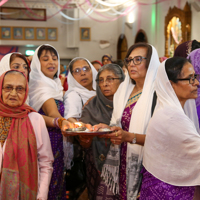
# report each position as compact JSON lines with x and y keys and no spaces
{"x":57,"y":185}
{"x":153,"y":188}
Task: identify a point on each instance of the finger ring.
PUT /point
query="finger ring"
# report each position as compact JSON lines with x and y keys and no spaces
{"x":116,"y":135}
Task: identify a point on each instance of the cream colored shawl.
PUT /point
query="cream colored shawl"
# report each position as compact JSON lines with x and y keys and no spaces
{"x":172,"y":145}
{"x":140,"y":117}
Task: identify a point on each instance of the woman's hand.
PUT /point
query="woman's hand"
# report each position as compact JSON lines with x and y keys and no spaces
{"x":117,"y":136}
{"x":66,"y":125}
{"x":99,"y":126}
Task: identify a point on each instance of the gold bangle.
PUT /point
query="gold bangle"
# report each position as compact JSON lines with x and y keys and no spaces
{"x":60,"y":120}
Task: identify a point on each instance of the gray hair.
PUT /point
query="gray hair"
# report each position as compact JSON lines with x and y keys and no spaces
{"x":114,"y":68}
{"x":14,"y":72}
{"x":73,"y":61}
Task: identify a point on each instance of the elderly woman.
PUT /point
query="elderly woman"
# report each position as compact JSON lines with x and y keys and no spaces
{"x":99,"y":110}
{"x":172,"y":146}
{"x":133,"y":103}
{"x":46,"y":97}
{"x":25,"y":150}
{"x":194,"y":58}
{"x":81,"y":87}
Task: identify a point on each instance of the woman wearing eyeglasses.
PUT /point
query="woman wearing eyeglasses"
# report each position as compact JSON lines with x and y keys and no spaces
{"x":131,"y":115}
{"x":172,"y":145}
{"x":81,"y":87}
{"x":99,"y":110}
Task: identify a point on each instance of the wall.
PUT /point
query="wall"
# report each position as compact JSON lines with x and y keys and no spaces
{"x":144,"y":18}
{"x":99,"y":31}
{"x":155,"y":31}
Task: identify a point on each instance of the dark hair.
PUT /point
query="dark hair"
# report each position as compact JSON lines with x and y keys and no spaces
{"x":174,"y":66}
{"x":148,"y":56}
{"x":46,"y":48}
{"x":195,"y":45}
{"x":114,"y":68}
{"x":72,"y":63}
{"x":18,"y":55}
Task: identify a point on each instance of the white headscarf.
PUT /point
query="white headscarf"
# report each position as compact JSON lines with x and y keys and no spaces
{"x":77,"y":95}
{"x":42,"y":88}
{"x":5,"y":66}
{"x":140,"y":117}
{"x":172,"y":145}
{"x":5,"y":63}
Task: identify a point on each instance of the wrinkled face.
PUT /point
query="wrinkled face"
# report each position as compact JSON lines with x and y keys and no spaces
{"x":97,"y":66}
{"x":49,"y":63}
{"x":138,"y":72}
{"x":15,"y":97}
{"x":106,"y":60}
{"x":108,"y":83}
{"x":20,"y":65}
{"x":81,"y":76}
{"x":183,"y":89}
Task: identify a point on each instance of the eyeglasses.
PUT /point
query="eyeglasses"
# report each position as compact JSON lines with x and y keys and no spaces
{"x":108,"y":81}
{"x":77,"y":71}
{"x":18,"y":89}
{"x":136,"y":60}
{"x":191,"y":79}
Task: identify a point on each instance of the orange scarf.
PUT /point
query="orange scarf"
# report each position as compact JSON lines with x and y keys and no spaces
{"x":19,"y":179}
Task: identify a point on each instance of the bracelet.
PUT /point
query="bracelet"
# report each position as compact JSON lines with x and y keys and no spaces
{"x":55,"y":122}
{"x":60,"y":120}
{"x":134,"y":139}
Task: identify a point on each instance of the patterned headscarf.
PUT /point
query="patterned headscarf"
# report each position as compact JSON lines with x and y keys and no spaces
{"x":19,"y":179}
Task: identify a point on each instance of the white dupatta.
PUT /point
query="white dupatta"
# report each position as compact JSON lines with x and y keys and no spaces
{"x":172,"y":146}
{"x":140,"y":117}
{"x":41,"y":87}
{"x":77,"y":95}
{"x":5,"y":66}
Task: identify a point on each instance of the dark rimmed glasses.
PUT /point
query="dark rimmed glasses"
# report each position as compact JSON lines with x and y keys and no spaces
{"x":136,"y":60}
{"x":108,"y":81}
{"x":77,"y":71}
{"x":18,"y":89}
{"x":190,"y":79}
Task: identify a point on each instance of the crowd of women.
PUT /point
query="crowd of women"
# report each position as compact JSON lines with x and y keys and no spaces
{"x":153,"y":151}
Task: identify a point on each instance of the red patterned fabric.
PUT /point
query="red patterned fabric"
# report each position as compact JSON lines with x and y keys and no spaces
{"x":19,"y":179}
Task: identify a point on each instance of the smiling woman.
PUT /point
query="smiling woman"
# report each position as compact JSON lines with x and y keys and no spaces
{"x":46,"y":96}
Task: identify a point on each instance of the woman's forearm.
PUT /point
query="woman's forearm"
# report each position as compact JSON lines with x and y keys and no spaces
{"x":140,"y":138}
